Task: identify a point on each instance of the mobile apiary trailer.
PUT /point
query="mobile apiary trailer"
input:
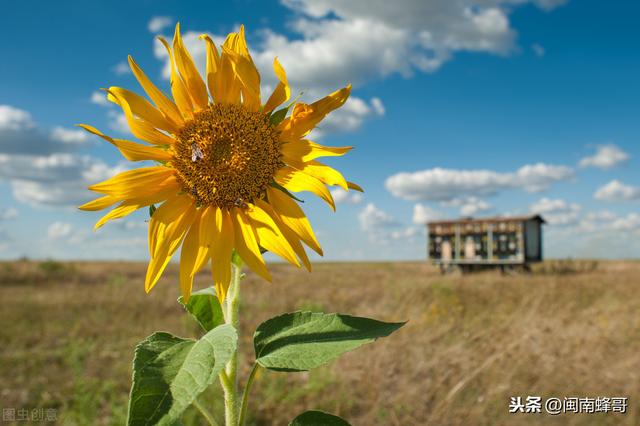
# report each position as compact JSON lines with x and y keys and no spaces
{"x":505,"y":242}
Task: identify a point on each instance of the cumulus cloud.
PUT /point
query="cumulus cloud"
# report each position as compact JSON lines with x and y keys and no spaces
{"x":556,"y":211}
{"x":448,"y":184}
{"x":41,"y":167}
{"x":423,"y":214}
{"x":408,"y":234}
{"x":118,"y":122}
{"x":350,"y":116}
{"x":12,"y":118}
{"x":605,"y":157}
{"x":20,"y":135}
{"x":158,"y":23}
{"x":70,"y":136}
{"x":341,"y":196}
{"x":100,"y":98}
{"x":121,"y":68}
{"x":8,"y":214}
{"x":59,"y":179}
{"x":358,"y":41}
{"x":468,"y":206}
{"x":59,"y":230}
{"x":616,"y":191}
{"x":376,"y":223}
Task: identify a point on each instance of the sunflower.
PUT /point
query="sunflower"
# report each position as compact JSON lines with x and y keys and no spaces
{"x":226,"y":165}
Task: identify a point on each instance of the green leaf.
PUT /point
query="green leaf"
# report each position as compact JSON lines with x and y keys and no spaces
{"x":318,"y":418}
{"x":300,"y":341}
{"x":277,"y":117}
{"x":169,"y":373}
{"x":205,"y":307}
{"x":152,"y":209}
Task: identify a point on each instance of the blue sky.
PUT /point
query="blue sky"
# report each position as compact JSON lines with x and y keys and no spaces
{"x":461,"y":107}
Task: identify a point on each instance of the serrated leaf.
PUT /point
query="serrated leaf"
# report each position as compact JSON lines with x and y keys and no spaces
{"x":318,"y":418}
{"x":300,"y":341}
{"x":205,"y":307}
{"x":170,"y":372}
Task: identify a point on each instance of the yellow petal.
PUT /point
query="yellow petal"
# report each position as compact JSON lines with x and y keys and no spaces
{"x":237,"y":42}
{"x":173,"y":235}
{"x":205,"y":235}
{"x":213,"y":68}
{"x":99,"y":203}
{"x":132,"y":151}
{"x":293,"y":216}
{"x":230,"y":91}
{"x":305,"y":117}
{"x":189,"y":72}
{"x":289,"y":235}
{"x":246,"y":243}
{"x":322,"y":172}
{"x":355,"y":186}
{"x":304,"y":150}
{"x":164,"y":104}
{"x":189,"y":257}
{"x":140,"y":128}
{"x":133,"y":183}
{"x":269,"y":235}
{"x":282,"y":92}
{"x":130,"y":205}
{"x":121,"y":211}
{"x":178,"y":88}
{"x":249,"y":78}
{"x":296,"y":181}
{"x":142,"y":109}
{"x":163,"y":222}
{"x":221,"y":247}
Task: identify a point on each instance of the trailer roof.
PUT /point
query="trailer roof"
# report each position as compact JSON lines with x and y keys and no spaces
{"x":492,"y":219}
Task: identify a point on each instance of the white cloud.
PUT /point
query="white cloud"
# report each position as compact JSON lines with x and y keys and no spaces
{"x":448,"y":184}
{"x":339,"y":41}
{"x":341,"y":196}
{"x":556,"y":211}
{"x":118,"y":122}
{"x":70,"y":136}
{"x":538,"y":49}
{"x":12,"y":118}
{"x":407,"y":234}
{"x":376,"y":223}
{"x":606,"y":157}
{"x":59,"y":230}
{"x":349,"y":117}
{"x":59,"y":179}
{"x":121,"y":68}
{"x":41,"y":168}
{"x":100,"y":98}
{"x":372,"y":218}
{"x":423,"y":214}
{"x":8,"y":214}
{"x":617,"y":191}
{"x":468,"y":206}
{"x":158,"y":23}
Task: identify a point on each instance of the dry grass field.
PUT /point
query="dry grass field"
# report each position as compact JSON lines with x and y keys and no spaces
{"x":67,"y":333}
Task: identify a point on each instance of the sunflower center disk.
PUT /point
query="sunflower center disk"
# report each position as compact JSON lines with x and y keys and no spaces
{"x":227,"y":156}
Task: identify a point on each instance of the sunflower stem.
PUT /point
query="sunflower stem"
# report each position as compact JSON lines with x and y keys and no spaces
{"x":229,"y":377}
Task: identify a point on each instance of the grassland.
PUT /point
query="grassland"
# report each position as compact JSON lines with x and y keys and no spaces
{"x":67,"y":332}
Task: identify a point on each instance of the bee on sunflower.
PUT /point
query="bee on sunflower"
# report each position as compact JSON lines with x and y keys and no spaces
{"x":227,"y":165}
